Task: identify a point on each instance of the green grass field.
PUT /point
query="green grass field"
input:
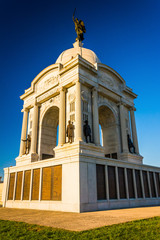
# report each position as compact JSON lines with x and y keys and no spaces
{"x":142,"y":229}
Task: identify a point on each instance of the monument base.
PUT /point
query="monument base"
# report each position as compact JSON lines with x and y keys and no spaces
{"x":86,"y":181}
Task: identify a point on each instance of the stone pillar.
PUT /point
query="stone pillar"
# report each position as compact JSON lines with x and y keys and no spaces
{"x":134,"y":132}
{"x":123,"y":129}
{"x":62,"y":117}
{"x":31,"y":185}
{"x":24,"y":132}
{"x":107,"y":182}
{"x":34,"y":130}
{"x":117,"y":182}
{"x":126,"y":183}
{"x":78,"y":116}
{"x":95,"y":118}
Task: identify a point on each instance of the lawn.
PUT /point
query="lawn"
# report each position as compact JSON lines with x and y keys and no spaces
{"x":142,"y":229}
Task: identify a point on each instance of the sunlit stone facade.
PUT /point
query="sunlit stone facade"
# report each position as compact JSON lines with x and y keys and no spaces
{"x":53,"y":174}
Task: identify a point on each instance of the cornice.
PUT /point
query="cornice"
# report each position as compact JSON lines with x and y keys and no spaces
{"x":35,"y":80}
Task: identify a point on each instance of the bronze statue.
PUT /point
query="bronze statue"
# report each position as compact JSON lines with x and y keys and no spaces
{"x":131,"y":146}
{"x":69,"y":131}
{"x":87,"y":131}
{"x":79,"y":28}
{"x":28,"y":144}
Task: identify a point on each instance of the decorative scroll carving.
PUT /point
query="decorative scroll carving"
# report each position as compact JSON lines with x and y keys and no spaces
{"x":85,"y":96}
{"x":72,"y":96}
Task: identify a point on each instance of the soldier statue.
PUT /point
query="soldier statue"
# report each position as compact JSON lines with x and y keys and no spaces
{"x":70,"y":131}
{"x":131,"y":146}
{"x":79,"y":28}
{"x":28,"y":144}
{"x":87,"y":131}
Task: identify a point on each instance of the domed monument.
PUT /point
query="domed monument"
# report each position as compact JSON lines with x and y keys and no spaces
{"x":79,"y":149}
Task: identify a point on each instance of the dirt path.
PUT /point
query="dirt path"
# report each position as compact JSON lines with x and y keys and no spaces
{"x":77,"y":221}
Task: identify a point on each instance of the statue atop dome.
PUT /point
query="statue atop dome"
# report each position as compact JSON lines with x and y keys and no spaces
{"x":79,"y":28}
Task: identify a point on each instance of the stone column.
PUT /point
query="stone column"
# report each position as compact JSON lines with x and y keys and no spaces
{"x":123,"y":129}
{"x":107,"y":182}
{"x":95,"y":118}
{"x":62,"y":117}
{"x":31,"y":185}
{"x":126,"y":183}
{"x":134,"y":132}
{"x":117,"y":182}
{"x":24,"y":132}
{"x":34,"y":130}
{"x":78,"y":116}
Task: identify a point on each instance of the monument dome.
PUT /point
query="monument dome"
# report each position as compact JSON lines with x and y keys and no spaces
{"x":85,"y":53}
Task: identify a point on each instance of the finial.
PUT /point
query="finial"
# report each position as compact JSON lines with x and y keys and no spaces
{"x":79,"y":28}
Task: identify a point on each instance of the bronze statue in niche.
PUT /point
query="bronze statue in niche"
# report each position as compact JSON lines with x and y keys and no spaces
{"x":131,"y":146}
{"x":70,"y":131}
{"x":79,"y":28}
{"x":28,"y":144}
{"x":87,"y":131}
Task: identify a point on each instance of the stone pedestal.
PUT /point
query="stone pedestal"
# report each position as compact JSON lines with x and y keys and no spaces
{"x":133,"y":158}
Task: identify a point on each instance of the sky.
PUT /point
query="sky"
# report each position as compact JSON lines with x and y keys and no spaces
{"x":125,"y":35}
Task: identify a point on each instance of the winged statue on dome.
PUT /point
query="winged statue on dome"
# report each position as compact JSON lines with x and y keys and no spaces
{"x":79,"y":27}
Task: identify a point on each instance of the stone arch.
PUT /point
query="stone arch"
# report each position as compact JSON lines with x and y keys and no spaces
{"x":111,"y":108}
{"x":109,"y":131}
{"x":49,"y":132}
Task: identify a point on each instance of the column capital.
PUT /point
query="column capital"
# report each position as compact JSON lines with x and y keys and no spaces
{"x":24,"y":109}
{"x":62,"y":88}
{"x":132,"y":109}
{"x":95,"y":89}
{"x":121,"y":103}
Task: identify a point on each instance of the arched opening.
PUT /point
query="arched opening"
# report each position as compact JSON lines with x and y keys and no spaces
{"x":108,"y":132}
{"x":49,"y":133}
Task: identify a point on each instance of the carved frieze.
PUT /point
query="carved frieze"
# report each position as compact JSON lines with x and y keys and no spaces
{"x":108,"y":81}
{"x":48,"y":94}
{"x":45,"y":84}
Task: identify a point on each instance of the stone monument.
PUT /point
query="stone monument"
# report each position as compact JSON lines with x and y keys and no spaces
{"x":78,"y":176}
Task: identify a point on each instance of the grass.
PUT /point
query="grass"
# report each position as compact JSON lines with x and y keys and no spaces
{"x":141,"y":229}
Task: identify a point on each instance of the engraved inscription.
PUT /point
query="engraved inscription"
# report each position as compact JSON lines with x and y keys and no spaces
{"x":35,"y":184}
{"x":11,"y":186}
{"x":19,"y":186}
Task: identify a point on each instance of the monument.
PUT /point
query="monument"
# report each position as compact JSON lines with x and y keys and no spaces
{"x":62,"y":166}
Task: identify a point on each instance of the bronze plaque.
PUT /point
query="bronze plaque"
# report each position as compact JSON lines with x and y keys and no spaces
{"x":130,"y":183}
{"x":138,"y":184}
{"x":153,"y":190}
{"x":11,"y":186}
{"x":26,"y":189}
{"x":57,"y":183}
{"x":112,"y":183}
{"x":101,"y":182}
{"x":19,"y":186}
{"x":35,"y":184}
{"x":46,"y":183}
{"x":145,"y":182}
{"x":122,"y":186}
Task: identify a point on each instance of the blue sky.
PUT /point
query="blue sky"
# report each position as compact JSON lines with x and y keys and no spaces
{"x":125,"y":35}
